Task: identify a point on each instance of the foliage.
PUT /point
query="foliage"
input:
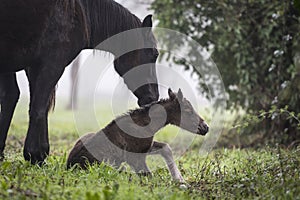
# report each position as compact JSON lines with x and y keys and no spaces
{"x":272,"y":113}
{"x":255,"y":45}
{"x":250,"y":120}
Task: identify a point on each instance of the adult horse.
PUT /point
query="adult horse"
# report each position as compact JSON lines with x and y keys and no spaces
{"x":42,"y":37}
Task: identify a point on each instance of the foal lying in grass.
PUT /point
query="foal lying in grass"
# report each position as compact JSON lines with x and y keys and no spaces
{"x":129,"y":138}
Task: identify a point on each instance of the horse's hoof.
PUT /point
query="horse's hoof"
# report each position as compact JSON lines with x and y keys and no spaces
{"x":1,"y":156}
{"x":35,"y":157}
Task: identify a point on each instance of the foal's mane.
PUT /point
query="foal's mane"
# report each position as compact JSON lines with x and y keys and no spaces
{"x":144,"y":109}
{"x":135,"y":112}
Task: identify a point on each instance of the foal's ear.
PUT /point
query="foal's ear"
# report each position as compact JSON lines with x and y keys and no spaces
{"x":147,"y":22}
{"x":171,"y":94}
{"x":179,"y":95}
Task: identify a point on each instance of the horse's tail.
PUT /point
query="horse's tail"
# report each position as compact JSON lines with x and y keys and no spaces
{"x":52,"y":98}
{"x":81,"y":12}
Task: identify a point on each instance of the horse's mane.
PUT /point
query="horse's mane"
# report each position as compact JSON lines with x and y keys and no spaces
{"x":115,"y":11}
{"x":94,"y":14}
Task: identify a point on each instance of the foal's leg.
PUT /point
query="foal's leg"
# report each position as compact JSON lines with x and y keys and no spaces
{"x":138,"y":162}
{"x":9,"y":95}
{"x":42,"y":81}
{"x":165,"y":151}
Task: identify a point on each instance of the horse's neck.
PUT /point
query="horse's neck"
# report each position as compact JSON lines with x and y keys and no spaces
{"x":106,"y":19}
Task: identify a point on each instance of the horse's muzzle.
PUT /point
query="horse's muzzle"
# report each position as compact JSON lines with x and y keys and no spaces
{"x":146,"y":100}
{"x":148,"y":94}
{"x":203,"y":128}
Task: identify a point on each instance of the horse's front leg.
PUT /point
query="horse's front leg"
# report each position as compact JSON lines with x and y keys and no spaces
{"x":165,"y":151}
{"x":42,"y":83}
{"x":9,"y":95}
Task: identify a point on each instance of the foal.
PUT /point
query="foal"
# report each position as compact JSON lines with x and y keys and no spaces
{"x":129,"y":138}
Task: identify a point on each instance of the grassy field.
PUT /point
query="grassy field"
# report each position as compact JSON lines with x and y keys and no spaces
{"x":269,"y":173}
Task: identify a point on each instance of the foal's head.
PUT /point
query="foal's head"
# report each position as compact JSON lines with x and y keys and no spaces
{"x":182,"y":114}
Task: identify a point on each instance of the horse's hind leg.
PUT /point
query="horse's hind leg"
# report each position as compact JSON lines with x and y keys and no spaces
{"x":9,"y":95}
{"x":165,"y":151}
{"x":42,"y":81}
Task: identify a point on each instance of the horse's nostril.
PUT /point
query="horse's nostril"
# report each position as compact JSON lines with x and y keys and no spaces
{"x":206,"y":128}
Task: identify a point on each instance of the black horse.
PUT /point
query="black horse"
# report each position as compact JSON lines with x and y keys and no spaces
{"x":42,"y":37}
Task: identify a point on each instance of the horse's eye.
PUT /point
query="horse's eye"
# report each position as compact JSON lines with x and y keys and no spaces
{"x":154,"y":56}
{"x":155,"y":53}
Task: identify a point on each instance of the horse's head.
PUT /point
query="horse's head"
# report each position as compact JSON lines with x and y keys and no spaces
{"x":183,"y":114}
{"x":138,"y":67}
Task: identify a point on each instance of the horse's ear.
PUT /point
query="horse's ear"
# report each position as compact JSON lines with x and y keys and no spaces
{"x":171,"y":94}
{"x":147,"y":22}
{"x":179,"y":95}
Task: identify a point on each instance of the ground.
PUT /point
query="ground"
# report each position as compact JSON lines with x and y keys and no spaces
{"x":268,"y":173}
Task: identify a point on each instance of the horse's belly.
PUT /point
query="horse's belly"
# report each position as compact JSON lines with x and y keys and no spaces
{"x":14,"y":57}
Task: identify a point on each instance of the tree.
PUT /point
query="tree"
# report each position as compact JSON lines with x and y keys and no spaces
{"x":255,"y":44}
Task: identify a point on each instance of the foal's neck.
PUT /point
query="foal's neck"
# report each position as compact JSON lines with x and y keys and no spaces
{"x":156,"y":115}
{"x":142,"y":122}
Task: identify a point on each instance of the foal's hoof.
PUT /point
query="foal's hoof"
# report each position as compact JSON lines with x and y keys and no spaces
{"x":147,"y":174}
{"x":183,"y":186}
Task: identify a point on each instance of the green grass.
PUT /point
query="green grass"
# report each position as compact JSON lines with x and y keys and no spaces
{"x":269,"y":173}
